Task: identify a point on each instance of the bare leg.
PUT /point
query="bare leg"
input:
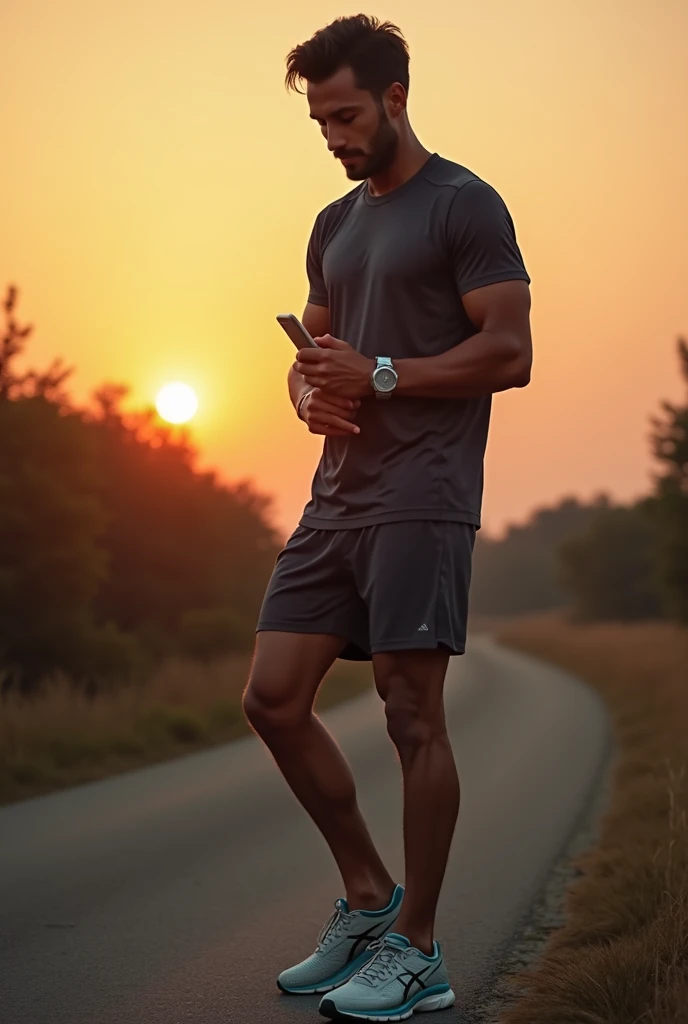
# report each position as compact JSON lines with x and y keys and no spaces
{"x":278,"y":702}
{"x":411,"y":684}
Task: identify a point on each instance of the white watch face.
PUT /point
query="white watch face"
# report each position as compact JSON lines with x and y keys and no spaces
{"x":385,"y":379}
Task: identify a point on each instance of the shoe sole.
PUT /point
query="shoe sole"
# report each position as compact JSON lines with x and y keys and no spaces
{"x":436,"y":1001}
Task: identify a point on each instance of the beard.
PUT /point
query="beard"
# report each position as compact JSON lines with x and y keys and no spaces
{"x":383,"y":149}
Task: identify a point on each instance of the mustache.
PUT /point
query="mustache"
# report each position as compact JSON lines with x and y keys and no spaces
{"x":343,"y":155}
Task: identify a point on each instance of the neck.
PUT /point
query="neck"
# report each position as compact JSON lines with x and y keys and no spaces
{"x":410,"y":157}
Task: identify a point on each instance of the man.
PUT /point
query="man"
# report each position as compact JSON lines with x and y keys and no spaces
{"x":419,"y":303}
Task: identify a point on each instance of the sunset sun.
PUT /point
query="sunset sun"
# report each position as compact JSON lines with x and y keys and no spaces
{"x":176,"y":402}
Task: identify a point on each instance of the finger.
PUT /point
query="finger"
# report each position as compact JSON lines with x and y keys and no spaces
{"x":330,"y":431}
{"x":325,"y":398}
{"x":325,"y":406}
{"x":321,"y":409}
{"x":329,"y":420}
{"x":327,"y":341}
{"x":308,"y":356}
{"x":315,"y":382}
{"x":332,"y":410}
{"x":340,"y":400}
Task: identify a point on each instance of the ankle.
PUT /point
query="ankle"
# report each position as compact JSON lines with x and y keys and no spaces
{"x":370,"y":897}
{"x":419,"y":935}
{"x":422,"y":942}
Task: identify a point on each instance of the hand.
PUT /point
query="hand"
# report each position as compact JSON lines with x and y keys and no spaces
{"x":330,"y":414}
{"x":336,"y":367}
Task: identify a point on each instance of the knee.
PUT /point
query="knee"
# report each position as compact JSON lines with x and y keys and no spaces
{"x":270,"y":705}
{"x":410,"y":722}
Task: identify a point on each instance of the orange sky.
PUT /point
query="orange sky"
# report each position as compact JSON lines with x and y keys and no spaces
{"x":159,"y":185}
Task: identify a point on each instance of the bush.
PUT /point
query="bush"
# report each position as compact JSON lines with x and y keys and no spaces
{"x":69,"y":751}
{"x":610,"y":569}
{"x":27,"y":773}
{"x":177,"y":724}
{"x":111,"y":655}
{"x":127,"y":747}
{"x":223,"y":715}
{"x":210,"y":633}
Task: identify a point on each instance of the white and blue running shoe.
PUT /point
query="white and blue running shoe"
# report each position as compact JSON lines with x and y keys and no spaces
{"x":396,"y":982}
{"x":342,"y":947}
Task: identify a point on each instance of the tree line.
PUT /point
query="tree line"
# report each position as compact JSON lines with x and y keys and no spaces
{"x":602,"y":560}
{"x":115,"y":551}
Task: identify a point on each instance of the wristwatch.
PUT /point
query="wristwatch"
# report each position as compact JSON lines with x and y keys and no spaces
{"x":384,"y":378}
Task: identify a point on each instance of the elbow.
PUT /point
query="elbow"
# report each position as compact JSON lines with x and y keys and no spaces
{"x":520,"y":376}
{"x":519,"y":361}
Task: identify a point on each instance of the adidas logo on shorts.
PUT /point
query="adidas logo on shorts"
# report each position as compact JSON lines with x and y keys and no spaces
{"x":423,"y":628}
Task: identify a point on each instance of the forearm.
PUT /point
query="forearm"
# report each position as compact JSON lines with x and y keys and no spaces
{"x":297,"y":386}
{"x":482,"y":365}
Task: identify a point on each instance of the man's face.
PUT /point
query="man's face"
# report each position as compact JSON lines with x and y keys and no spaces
{"x":357,"y":129}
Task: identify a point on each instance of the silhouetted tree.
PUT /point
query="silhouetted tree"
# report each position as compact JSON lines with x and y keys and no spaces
{"x":610,"y":569}
{"x":669,"y":441}
{"x":520,"y":573}
{"x":49,"y":384}
{"x":51,"y":523}
{"x":110,"y":539}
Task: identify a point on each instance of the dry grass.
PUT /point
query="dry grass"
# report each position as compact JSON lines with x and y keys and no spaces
{"x":622,"y":955}
{"x":62,"y":738}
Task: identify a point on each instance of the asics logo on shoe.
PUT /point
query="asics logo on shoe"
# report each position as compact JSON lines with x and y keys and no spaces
{"x":364,"y":937}
{"x":416,"y":978}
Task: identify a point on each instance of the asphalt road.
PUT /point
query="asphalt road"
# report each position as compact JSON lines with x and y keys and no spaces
{"x":177,"y":893}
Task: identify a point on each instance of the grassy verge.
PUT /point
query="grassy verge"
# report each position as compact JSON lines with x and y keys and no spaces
{"x":62,"y":738}
{"x":622,"y":955}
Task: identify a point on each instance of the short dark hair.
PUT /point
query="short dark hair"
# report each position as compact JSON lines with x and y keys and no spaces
{"x":376,"y":51}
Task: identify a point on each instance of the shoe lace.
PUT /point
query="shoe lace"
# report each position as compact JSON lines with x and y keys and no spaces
{"x":333,"y":928}
{"x":381,"y":965}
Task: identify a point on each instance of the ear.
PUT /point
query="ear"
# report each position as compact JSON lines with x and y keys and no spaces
{"x":395,"y":99}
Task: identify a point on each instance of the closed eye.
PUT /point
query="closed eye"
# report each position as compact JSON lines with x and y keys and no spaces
{"x":341,"y":119}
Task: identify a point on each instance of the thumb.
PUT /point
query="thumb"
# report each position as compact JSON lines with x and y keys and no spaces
{"x":327,"y":341}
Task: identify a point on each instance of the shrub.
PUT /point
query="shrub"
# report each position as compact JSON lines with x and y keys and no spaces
{"x":209,"y":633}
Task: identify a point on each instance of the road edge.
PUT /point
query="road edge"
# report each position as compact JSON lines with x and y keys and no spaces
{"x":547,"y":912}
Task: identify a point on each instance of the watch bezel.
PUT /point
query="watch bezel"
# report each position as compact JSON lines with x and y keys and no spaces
{"x":379,"y":370}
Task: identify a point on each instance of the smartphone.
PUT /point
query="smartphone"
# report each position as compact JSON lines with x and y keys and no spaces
{"x":296,"y":331}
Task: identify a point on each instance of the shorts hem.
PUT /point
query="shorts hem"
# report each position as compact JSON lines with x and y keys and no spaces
{"x":383,"y":647}
{"x":438,"y":515}
{"x":293,"y":627}
{"x":415,"y":645}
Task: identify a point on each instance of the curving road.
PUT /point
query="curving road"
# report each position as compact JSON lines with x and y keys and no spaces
{"x":176,"y":894}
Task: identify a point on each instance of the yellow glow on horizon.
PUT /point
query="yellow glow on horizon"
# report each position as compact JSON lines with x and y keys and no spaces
{"x":176,"y":402}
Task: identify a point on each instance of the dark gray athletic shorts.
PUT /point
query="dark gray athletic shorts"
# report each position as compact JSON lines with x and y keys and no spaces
{"x":388,"y":587}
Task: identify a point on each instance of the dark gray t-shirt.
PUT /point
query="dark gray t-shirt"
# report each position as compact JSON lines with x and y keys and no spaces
{"x":392,"y":270}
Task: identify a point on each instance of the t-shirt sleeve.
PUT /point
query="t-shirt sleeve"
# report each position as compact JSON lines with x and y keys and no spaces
{"x":317,"y":294}
{"x":482,"y":238}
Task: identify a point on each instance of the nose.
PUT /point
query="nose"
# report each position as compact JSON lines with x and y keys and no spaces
{"x":335,"y":141}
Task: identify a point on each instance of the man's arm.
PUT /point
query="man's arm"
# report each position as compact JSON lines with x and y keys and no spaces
{"x":497,"y":358}
{"x":316,"y":320}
